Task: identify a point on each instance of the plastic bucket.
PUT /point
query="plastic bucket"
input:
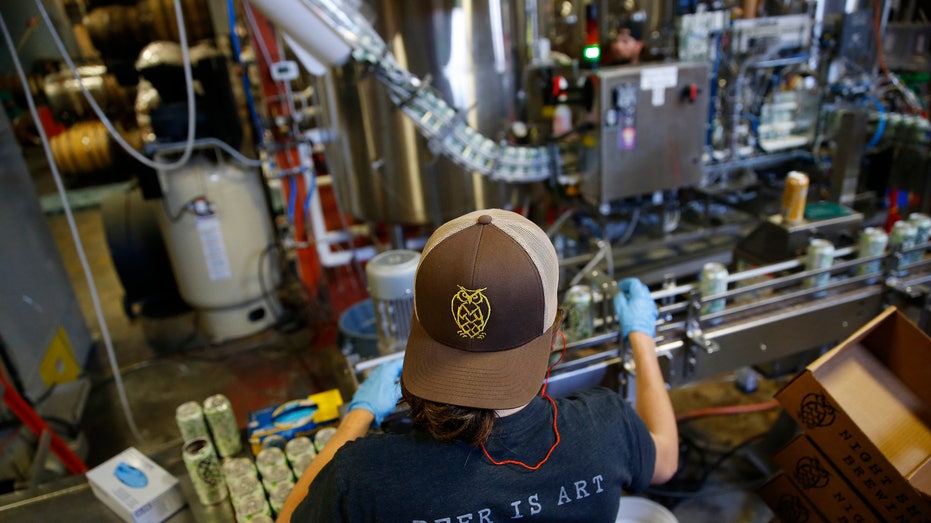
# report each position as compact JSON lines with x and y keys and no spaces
{"x":357,"y":330}
{"x":641,"y":510}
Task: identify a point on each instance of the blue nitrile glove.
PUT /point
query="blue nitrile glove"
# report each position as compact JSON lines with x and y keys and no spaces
{"x":635,"y":308}
{"x":380,"y":392}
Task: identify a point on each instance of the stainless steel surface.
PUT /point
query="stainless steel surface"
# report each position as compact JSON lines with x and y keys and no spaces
{"x":387,"y":172}
{"x":664,"y":150}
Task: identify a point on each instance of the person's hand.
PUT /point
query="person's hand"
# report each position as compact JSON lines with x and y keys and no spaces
{"x":635,"y":308}
{"x":380,"y":392}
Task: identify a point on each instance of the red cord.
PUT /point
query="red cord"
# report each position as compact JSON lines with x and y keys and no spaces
{"x":555,"y":415}
{"x":727,"y":410}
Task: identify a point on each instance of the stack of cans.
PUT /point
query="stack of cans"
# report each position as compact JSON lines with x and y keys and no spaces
{"x":249,"y":508}
{"x":300,"y":451}
{"x":323,"y":436}
{"x":278,"y":496}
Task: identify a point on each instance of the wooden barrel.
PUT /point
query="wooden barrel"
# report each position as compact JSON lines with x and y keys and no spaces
{"x":115,"y":29}
{"x":82,"y":149}
{"x":159,"y":17}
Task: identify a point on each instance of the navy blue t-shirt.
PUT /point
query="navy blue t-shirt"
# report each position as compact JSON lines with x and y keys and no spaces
{"x":605,"y":449}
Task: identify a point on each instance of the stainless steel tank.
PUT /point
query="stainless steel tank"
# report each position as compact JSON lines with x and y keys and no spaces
{"x":384,"y":170}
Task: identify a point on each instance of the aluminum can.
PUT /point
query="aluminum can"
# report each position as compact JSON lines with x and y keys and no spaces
{"x":300,"y":464}
{"x":269,"y":457}
{"x":323,"y":436}
{"x":250,"y":507}
{"x":277,"y":497}
{"x":873,"y":241}
{"x":713,"y":280}
{"x":204,"y":468}
{"x":299,"y":446}
{"x":190,"y":419}
{"x":235,"y":468}
{"x":245,"y":486}
{"x":794,"y":197}
{"x":922,"y":223}
{"x":222,"y":421}
{"x":276,"y":476}
{"x":819,"y":255}
{"x":580,"y":320}
{"x":903,"y":237}
{"x":274,"y":440}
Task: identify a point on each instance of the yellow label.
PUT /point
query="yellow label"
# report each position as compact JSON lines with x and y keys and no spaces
{"x":59,"y":364}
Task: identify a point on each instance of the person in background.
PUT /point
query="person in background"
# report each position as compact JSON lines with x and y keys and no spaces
{"x":627,"y":45}
{"x":489,"y":443}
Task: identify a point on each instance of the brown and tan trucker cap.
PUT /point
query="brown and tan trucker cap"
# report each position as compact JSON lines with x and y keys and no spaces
{"x":485,"y":312}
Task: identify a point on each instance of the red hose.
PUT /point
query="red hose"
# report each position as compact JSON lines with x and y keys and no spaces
{"x":728,"y":410}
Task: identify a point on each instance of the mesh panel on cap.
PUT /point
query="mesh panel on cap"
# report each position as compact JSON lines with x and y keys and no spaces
{"x":528,"y":235}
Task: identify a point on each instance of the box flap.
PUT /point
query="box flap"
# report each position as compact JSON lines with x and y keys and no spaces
{"x":921,"y":478}
{"x":905,"y":350}
{"x":887,"y":412}
{"x":858,"y":335}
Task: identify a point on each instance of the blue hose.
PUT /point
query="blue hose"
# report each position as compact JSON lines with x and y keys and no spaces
{"x":247,"y":85}
{"x":881,"y":127}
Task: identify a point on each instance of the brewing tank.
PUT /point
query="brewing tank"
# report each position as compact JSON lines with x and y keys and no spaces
{"x":384,"y":169}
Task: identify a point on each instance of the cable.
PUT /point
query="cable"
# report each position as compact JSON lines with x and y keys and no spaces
{"x":189,"y":83}
{"x":728,"y":410}
{"x":92,"y":287}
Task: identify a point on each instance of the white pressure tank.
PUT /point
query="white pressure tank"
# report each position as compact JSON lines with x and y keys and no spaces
{"x":218,"y":233}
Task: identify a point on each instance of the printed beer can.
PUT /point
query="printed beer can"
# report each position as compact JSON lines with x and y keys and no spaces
{"x":873,"y":241}
{"x":713,"y":280}
{"x":299,"y":446}
{"x":277,"y":497}
{"x":300,"y":464}
{"x":269,"y":457}
{"x":190,"y":419}
{"x":250,"y":507}
{"x":222,"y":421}
{"x":794,"y":197}
{"x":322,"y":437}
{"x":245,"y":486}
{"x":276,"y":476}
{"x":903,"y":237}
{"x":922,"y":223}
{"x":819,"y":255}
{"x":580,"y":320}
{"x":234,"y":468}
{"x":204,"y":468}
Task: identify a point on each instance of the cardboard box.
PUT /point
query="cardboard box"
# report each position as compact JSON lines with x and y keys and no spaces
{"x":787,"y":503}
{"x":294,"y":418}
{"x":865,"y":404}
{"x":136,"y":488}
{"x":821,"y":483}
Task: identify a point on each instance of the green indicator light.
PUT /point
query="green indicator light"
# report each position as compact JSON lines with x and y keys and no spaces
{"x":591,"y":52}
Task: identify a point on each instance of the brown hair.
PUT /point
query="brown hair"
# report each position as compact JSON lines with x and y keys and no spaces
{"x":447,"y":422}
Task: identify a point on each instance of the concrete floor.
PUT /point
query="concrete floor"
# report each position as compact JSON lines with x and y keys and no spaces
{"x":166,"y":361}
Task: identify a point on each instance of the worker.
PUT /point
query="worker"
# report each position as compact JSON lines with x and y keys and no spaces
{"x":489,"y":444}
{"x":627,"y":44}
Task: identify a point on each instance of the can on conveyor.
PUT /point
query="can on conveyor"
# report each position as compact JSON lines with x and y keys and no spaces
{"x":190,"y":419}
{"x":902,"y":238}
{"x":204,"y":468}
{"x":794,"y":197}
{"x":819,"y":255}
{"x":713,"y":280}
{"x":222,"y":421}
{"x":580,"y":320}
{"x":922,"y":223}
{"x":873,"y":241}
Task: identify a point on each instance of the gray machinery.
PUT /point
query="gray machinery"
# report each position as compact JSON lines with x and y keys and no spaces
{"x":417,"y":131}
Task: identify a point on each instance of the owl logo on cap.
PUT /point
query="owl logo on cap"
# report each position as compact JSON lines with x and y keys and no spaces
{"x":471,"y":310}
